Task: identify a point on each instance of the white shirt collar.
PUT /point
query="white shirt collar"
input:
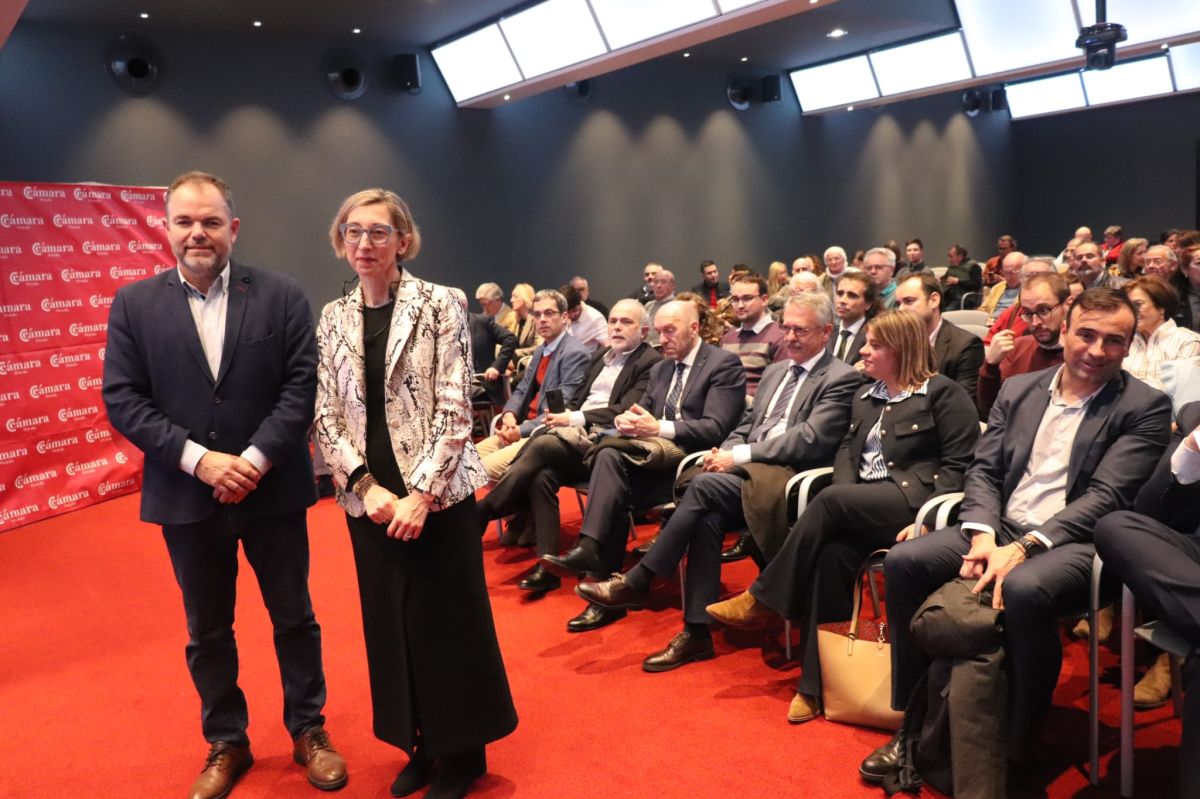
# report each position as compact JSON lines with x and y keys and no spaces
{"x":760,"y":325}
{"x":933,"y":336}
{"x":855,"y":327}
{"x":222,"y":280}
{"x":690,"y":358}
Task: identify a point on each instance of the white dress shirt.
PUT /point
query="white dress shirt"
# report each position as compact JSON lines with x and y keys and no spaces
{"x":590,"y":329}
{"x":741,"y":452}
{"x":601,"y":390}
{"x":666,"y":429}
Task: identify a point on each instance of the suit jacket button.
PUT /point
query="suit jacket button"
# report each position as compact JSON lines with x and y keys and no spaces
{"x":212,"y":435}
{"x":216,"y":400}
{"x":904,"y":484}
{"x":887,"y":408}
{"x":891,"y":465}
{"x":916,"y":427}
{"x":882,"y":433}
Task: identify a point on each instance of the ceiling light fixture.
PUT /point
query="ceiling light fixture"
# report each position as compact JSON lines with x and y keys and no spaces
{"x":507,"y":97}
{"x":144,"y":15}
{"x":356,"y":31}
{"x":849,"y":107}
{"x":687,"y":55}
{"x":745,"y":59}
{"x":837,"y":33}
{"x":258,"y":23}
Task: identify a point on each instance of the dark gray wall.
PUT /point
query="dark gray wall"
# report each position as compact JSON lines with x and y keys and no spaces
{"x":1130,"y":165}
{"x":656,"y":165}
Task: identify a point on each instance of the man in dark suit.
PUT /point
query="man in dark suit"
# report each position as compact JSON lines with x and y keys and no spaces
{"x":711,"y":288}
{"x":801,"y":418}
{"x":854,"y":304}
{"x":956,"y":353}
{"x":1063,"y":448}
{"x":211,"y":371}
{"x":616,"y":378}
{"x":693,"y":401}
{"x":558,"y":362}
{"x":1155,"y":550}
{"x":492,"y":348}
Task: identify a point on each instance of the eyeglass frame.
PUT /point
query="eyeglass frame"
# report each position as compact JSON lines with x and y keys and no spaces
{"x":369,"y":232}
{"x":1026,"y":316}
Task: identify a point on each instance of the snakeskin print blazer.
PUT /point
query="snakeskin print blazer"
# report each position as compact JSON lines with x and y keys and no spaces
{"x":428,"y":405}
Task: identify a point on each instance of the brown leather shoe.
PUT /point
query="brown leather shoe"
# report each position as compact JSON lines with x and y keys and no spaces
{"x":226,"y":762}
{"x":614,"y":593}
{"x":1154,"y":689}
{"x":326,"y":768}
{"x":684,"y":648}
{"x":803,"y":708}
{"x":741,"y":611}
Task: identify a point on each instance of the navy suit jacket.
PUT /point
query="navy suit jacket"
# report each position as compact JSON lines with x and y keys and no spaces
{"x":818,"y":421}
{"x":1124,"y":431}
{"x":958,"y":355}
{"x":856,"y":343}
{"x":714,"y":397}
{"x":566,"y":371}
{"x":160,"y":392}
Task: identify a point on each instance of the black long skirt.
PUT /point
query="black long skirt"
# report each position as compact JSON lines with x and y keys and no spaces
{"x":437,"y":676}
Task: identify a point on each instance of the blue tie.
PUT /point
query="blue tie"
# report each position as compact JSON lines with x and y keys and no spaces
{"x":675,"y":392}
{"x":781,"y":404}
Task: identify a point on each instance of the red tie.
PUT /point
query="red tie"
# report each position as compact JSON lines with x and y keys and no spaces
{"x":537,"y":384}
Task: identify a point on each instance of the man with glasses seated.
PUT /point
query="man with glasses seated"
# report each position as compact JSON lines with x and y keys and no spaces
{"x":880,"y":264}
{"x":1042,"y":308}
{"x":758,"y":342}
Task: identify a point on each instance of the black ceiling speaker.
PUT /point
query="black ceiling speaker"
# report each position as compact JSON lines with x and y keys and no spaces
{"x":999,"y":100}
{"x":345,"y":74}
{"x":740,"y":92}
{"x":407,"y":71}
{"x":578,"y":92}
{"x":972,"y":102}
{"x":134,"y":64}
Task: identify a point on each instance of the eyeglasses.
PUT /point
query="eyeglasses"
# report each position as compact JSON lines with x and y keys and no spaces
{"x":544,"y":314}
{"x":378,"y":234}
{"x":742,"y":299}
{"x":1041,"y":312}
{"x":799,"y":332}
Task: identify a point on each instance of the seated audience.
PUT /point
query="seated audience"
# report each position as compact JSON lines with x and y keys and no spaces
{"x":807,"y":263}
{"x":492,"y":349}
{"x":914,"y":256}
{"x":757,"y":341}
{"x":801,"y":417}
{"x":991,"y":270}
{"x":1155,"y":550}
{"x":1165,"y":264}
{"x":1063,"y":447}
{"x":777,"y":278}
{"x":880,"y":264}
{"x":695,"y":397}
{"x":1158,"y":339}
{"x":526,"y":332}
{"x":645,"y":293}
{"x":1132,"y":259}
{"x":616,"y":378}
{"x":1065,"y":262}
{"x":1092,"y":270}
{"x":854,"y":306}
{"x":585,"y":324}
{"x":1113,"y":244}
{"x":1042,"y":308}
{"x":724,"y":310}
{"x":663,"y":286}
{"x":963,"y":278}
{"x":1005,"y":293}
{"x":1009,"y":318}
{"x":491,"y":300}
{"x":911,"y":436}
{"x":712,"y":327}
{"x":557,"y":363}
{"x":836,"y":265}
{"x":957,"y":354}
{"x":710,"y":288}
{"x":580,"y":284}
{"x":1189,"y":315}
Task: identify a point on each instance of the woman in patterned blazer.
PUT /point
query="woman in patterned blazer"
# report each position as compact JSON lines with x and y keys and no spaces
{"x":393,"y":422}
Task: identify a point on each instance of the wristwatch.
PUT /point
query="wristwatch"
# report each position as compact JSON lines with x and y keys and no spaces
{"x":1030,"y":544}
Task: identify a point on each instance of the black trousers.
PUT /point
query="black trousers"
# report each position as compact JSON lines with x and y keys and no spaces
{"x":1037,"y":594}
{"x":811,"y":579}
{"x":710,"y":507}
{"x":615,"y":487}
{"x":532,"y":481}
{"x":204,"y":557}
{"x":1162,"y":568}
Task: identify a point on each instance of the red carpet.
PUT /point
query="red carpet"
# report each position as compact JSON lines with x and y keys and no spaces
{"x":95,"y":699}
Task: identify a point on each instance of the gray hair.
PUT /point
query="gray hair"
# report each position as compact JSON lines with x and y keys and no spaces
{"x":556,"y":296}
{"x":489,"y":291}
{"x":636,"y":310}
{"x":884,"y":251}
{"x":578,"y":279}
{"x":1043,"y":260}
{"x":1172,"y":258}
{"x":819,"y":304}
{"x":835,"y":249}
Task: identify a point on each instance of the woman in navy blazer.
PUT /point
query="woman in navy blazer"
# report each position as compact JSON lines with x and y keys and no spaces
{"x":912,"y":435}
{"x":394,"y":423}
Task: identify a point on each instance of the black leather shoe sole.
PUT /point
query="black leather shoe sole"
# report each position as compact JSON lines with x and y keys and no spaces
{"x":569,"y":566}
{"x":540,"y":584}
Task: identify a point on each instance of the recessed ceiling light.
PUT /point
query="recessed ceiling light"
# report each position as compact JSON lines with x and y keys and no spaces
{"x":849,"y":108}
{"x":813,"y":2}
{"x":508,"y":97}
{"x":258,"y":23}
{"x":745,"y":59}
{"x":144,"y":15}
{"x":837,"y":33}
{"x":687,"y":55}
{"x":1165,"y":46}
{"x":356,"y":31}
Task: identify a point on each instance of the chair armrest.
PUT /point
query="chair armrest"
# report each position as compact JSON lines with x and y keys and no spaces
{"x":806,"y":484}
{"x":938,"y":512}
{"x":688,"y":461}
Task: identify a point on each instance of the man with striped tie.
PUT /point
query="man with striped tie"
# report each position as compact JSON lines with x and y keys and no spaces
{"x":800,"y":417}
{"x":854,"y":304}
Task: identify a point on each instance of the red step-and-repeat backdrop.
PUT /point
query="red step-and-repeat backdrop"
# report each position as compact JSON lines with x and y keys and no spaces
{"x":65,"y":249}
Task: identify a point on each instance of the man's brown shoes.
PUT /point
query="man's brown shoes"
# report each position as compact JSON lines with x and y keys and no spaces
{"x":326,"y":768}
{"x":742,"y":610}
{"x":226,"y":762}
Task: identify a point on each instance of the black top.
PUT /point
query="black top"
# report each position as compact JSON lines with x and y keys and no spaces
{"x":381,"y":458}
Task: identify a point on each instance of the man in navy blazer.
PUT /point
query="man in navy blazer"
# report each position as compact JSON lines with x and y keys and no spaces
{"x":1064,"y":447}
{"x":801,"y":416}
{"x":565,"y":366}
{"x":210,"y":370}
{"x":695,"y":397}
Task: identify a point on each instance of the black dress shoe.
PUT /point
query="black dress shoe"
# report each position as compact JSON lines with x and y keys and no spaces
{"x":576,"y":561}
{"x":880,"y":762}
{"x":593,"y":618}
{"x":539,"y":580}
{"x":739,"y":551}
{"x":413,"y":777}
{"x":456,"y":774}
{"x":614,"y":592}
{"x":684,"y":648}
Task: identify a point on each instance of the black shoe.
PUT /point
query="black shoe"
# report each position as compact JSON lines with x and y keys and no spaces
{"x":593,"y":618}
{"x":576,"y":561}
{"x":413,"y":777}
{"x":614,"y":592}
{"x":739,"y":551}
{"x":456,"y":774}
{"x":539,"y":580}
{"x":643,"y":548}
{"x":325,"y":486}
{"x":880,"y":762}
{"x":684,"y":648}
